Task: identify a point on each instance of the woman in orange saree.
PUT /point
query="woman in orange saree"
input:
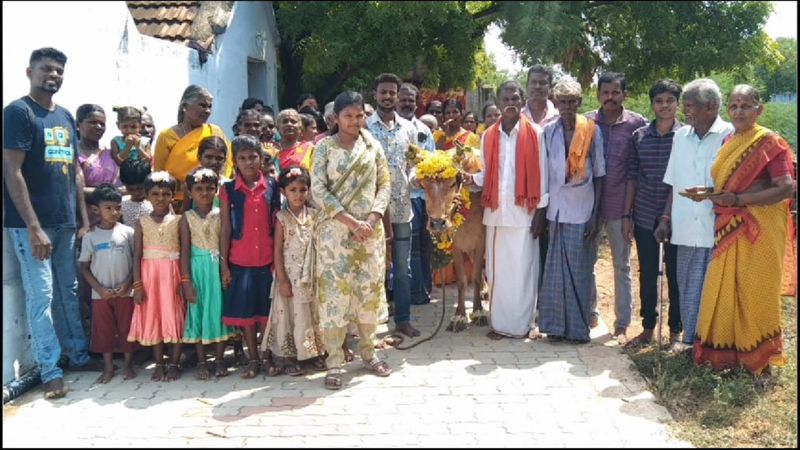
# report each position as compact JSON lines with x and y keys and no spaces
{"x":176,"y":147}
{"x":739,"y":324}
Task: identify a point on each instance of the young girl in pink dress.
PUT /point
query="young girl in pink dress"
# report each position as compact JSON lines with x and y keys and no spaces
{"x":159,"y":311}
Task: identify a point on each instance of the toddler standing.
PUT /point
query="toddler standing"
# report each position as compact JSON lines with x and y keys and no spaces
{"x":106,"y":262}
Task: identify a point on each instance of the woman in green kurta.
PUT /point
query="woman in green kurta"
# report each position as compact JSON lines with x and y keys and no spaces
{"x":350,"y":183}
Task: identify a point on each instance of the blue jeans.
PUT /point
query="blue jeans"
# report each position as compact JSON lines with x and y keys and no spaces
{"x":401,"y":265}
{"x":421,"y":248}
{"x":51,"y":301}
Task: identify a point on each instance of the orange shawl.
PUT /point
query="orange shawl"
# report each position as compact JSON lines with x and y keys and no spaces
{"x":579,"y":148}
{"x":527,"y":179}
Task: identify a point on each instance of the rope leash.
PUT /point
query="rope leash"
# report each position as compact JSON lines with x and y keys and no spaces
{"x":399,"y":339}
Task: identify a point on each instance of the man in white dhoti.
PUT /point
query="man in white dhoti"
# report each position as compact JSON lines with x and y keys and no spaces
{"x":514,"y":184}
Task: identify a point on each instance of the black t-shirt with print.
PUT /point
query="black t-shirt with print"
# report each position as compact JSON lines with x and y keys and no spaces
{"x":50,"y":142}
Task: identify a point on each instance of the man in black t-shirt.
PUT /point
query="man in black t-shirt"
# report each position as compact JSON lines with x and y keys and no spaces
{"x":42,"y":188}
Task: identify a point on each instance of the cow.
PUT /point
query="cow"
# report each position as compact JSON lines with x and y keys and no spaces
{"x":444,"y":202}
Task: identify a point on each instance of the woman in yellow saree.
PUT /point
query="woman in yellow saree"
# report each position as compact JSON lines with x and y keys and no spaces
{"x":739,"y":324}
{"x":176,"y":147}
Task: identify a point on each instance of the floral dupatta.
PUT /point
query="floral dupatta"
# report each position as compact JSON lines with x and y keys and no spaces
{"x":359,"y":163}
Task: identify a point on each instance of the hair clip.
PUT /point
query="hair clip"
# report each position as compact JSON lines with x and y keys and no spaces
{"x":160,"y":176}
{"x":294,"y":172}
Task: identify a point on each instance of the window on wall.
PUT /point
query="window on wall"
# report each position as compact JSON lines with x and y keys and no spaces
{"x":257,"y":79}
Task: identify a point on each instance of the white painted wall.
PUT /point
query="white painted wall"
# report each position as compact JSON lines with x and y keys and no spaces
{"x":111,"y":64}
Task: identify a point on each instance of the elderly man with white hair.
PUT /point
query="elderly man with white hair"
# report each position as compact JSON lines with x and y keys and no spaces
{"x":694,"y":149}
{"x":576,"y":171}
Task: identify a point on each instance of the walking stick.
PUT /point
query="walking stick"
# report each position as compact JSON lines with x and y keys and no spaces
{"x":660,"y":291}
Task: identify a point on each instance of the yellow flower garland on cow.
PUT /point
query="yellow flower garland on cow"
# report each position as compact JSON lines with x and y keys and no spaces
{"x":441,"y":165}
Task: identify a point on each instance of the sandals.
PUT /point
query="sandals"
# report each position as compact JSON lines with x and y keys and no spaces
{"x":253,"y":367}
{"x":378,"y":367}
{"x":293,"y":369}
{"x":55,"y":389}
{"x":333,"y":380}
{"x":319,"y":365}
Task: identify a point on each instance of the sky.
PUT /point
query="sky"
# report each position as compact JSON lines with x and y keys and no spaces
{"x":782,"y":23}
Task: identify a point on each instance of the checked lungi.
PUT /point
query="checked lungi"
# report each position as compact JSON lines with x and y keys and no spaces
{"x":566,"y":294}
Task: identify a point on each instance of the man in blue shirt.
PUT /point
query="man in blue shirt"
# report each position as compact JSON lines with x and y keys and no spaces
{"x":421,"y":246}
{"x":42,"y":188}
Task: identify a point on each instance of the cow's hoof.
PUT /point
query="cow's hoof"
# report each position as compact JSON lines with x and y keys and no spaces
{"x":479,"y":318}
{"x":458,"y":324}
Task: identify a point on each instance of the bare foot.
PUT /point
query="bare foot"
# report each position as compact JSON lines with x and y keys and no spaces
{"x":173,"y":372}
{"x":407,"y":329}
{"x":534,"y":334}
{"x":158,"y":374}
{"x":128,"y":373}
{"x":202,"y":371}
{"x":106,"y":376}
{"x":55,"y":389}
{"x":220,"y":370}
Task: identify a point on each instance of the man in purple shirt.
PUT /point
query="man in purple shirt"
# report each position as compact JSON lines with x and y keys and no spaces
{"x":645,"y":200}
{"x":617,"y":125}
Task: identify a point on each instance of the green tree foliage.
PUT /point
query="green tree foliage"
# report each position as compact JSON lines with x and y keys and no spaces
{"x":783,"y":78}
{"x":327,"y":46}
{"x":645,"y":40}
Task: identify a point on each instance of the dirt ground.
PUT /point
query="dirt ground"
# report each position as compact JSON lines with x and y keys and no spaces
{"x":604,"y":274}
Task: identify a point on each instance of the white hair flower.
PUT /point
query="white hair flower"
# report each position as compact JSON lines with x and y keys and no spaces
{"x":160,"y":177}
{"x":203,"y":173}
{"x":294,"y":172}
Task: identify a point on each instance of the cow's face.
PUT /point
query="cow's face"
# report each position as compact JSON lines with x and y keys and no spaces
{"x":439,"y":195}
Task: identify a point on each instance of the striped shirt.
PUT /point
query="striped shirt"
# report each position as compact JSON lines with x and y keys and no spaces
{"x":647,"y":164}
{"x":617,"y":139}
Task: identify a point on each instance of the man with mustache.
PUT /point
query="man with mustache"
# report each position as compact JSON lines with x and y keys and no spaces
{"x":617,"y":125}
{"x":515,"y":198}
{"x":421,"y":246}
{"x":395,"y":135}
{"x":43,"y":191}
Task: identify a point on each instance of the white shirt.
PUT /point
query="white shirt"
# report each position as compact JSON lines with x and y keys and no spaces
{"x":690,"y":165}
{"x":550,"y":114}
{"x":507,"y":213}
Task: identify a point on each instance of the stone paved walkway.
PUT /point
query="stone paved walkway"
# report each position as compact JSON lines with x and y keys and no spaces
{"x":456,"y":390}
